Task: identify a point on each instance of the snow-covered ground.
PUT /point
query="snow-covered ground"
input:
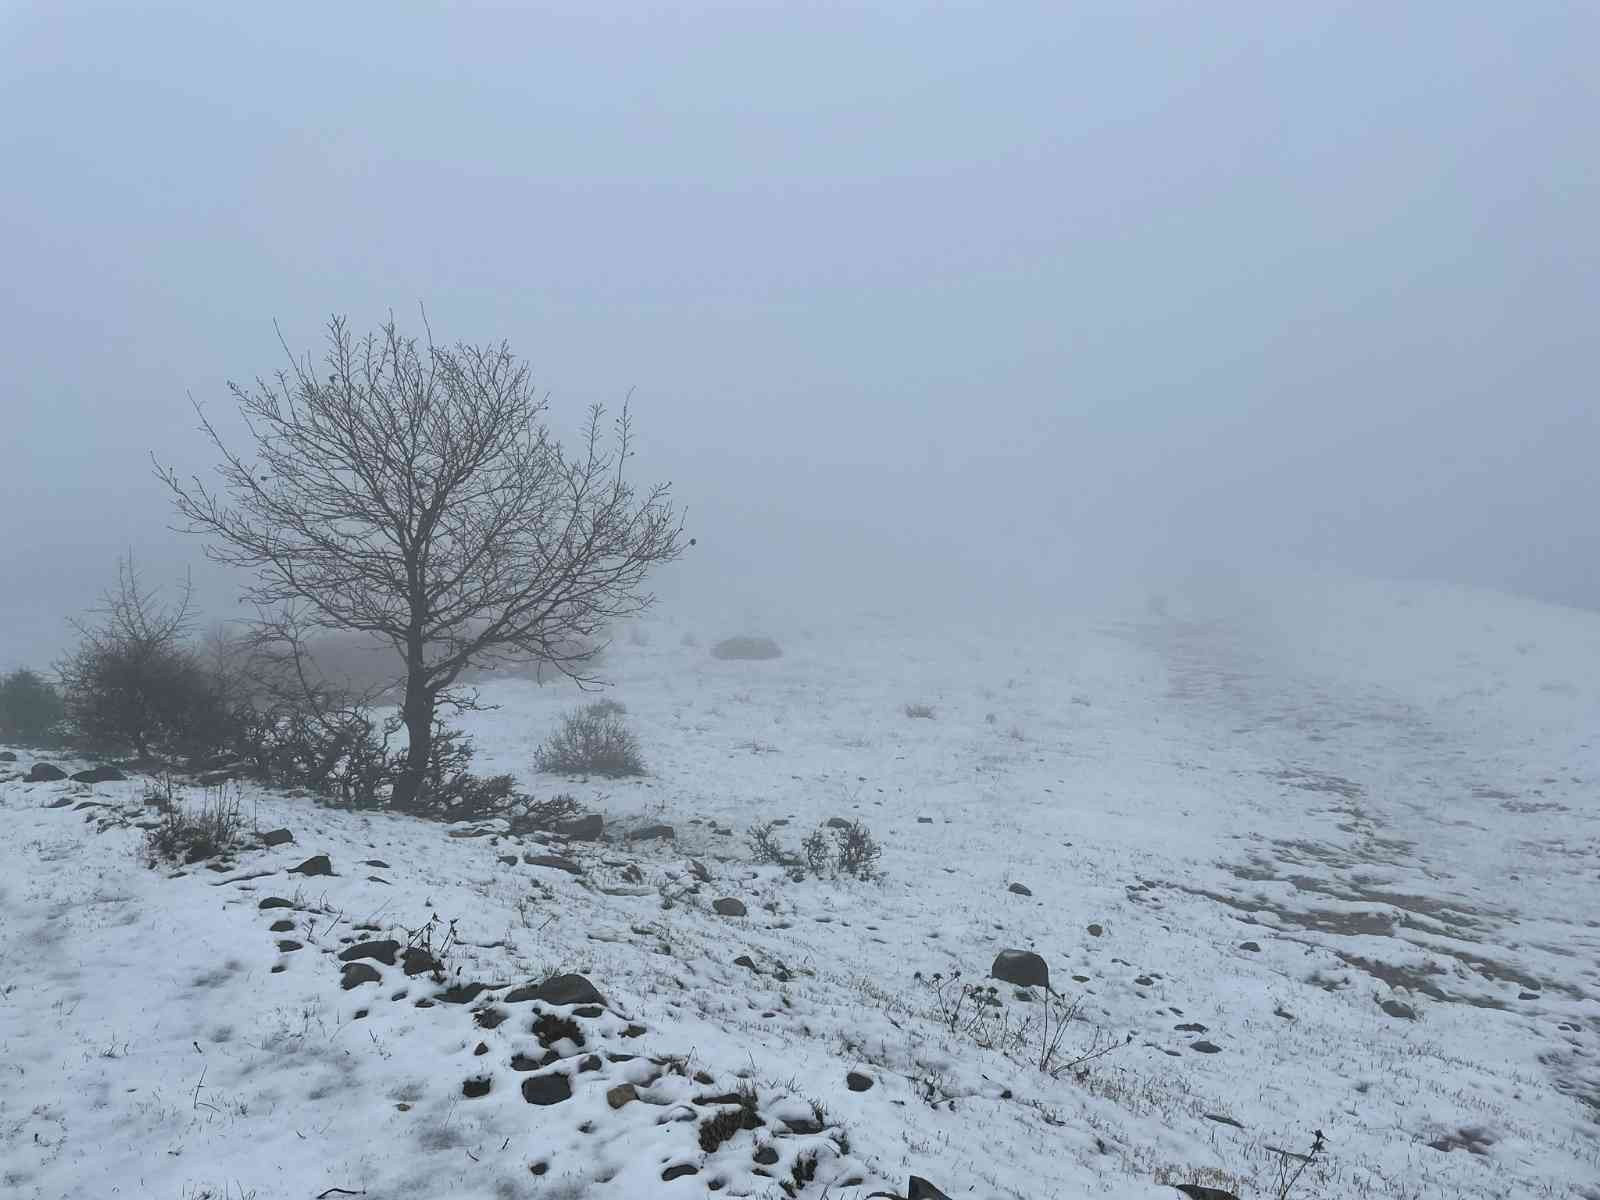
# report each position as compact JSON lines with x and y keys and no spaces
{"x":1327,"y":851}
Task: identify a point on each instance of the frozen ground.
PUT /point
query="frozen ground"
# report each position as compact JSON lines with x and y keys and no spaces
{"x":1347,"y":828}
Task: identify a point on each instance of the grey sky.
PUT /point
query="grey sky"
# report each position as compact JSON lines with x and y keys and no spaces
{"x":1007,"y":294}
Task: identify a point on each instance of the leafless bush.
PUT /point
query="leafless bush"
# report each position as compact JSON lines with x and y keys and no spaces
{"x":532,"y":815}
{"x":765,"y":847}
{"x":591,"y":741}
{"x":817,"y":848}
{"x":856,"y":851}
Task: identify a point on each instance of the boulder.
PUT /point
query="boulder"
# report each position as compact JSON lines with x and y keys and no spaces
{"x":729,"y":907}
{"x":1023,"y":968}
{"x":588,"y":828}
{"x":652,"y":833}
{"x":553,"y":860}
{"x":1020,"y":889}
{"x":557,"y":990}
{"x":357,"y":973}
{"x":8,"y":756}
{"x":276,"y":837}
{"x":383,"y":951}
{"x":317,"y":864}
{"x":100,"y":774}
{"x":44,"y":773}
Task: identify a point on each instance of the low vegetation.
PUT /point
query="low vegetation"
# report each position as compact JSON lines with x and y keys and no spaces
{"x":191,"y":833}
{"x":31,"y":710}
{"x":593,"y":740}
{"x":752,"y":648}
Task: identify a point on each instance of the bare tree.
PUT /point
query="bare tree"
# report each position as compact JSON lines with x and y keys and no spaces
{"x":412,"y":493}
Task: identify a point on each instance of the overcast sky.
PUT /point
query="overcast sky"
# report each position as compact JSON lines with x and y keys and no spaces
{"x":951,"y":295}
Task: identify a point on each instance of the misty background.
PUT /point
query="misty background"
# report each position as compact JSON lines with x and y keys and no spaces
{"x":929,"y":306}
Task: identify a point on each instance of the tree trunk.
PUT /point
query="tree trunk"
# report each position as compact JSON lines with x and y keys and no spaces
{"x":417,"y":713}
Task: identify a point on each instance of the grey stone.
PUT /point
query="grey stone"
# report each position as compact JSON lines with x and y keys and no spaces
{"x":1021,"y":967}
{"x":553,"y":860}
{"x":1020,"y":889}
{"x":317,"y":864}
{"x":276,"y":837}
{"x":729,"y":907}
{"x":44,"y":773}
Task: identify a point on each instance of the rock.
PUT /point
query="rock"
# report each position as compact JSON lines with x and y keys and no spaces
{"x":62,"y":803}
{"x":729,"y":907}
{"x":765,"y":1155}
{"x":745,"y":961}
{"x":1199,"y":1191}
{"x":508,"y":860}
{"x":1020,"y":889}
{"x":557,"y":990}
{"x":275,"y":902}
{"x":1527,"y":995}
{"x":461,"y":993}
{"x":479,"y":1086}
{"x":857,"y":1082}
{"x":748,"y":648}
{"x":8,"y":756}
{"x":632,"y":873}
{"x":697,"y":870}
{"x":838,"y":823}
{"x":554,"y":861}
{"x":276,"y":837}
{"x":652,"y":833}
{"x":1253,"y":947}
{"x":546,"y":1089}
{"x":924,"y":820}
{"x":281,"y":926}
{"x":44,"y":773}
{"x":920,"y":1189}
{"x":357,"y":973}
{"x":678,"y":1171}
{"x":383,"y":951}
{"x":414,"y":960}
{"x":317,"y":864}
{"x":623,"y":1094}
{"x":581,"y":829}
{"x":375,"y":862}
{"x":1190,"y":1027}
{"x":100,"y":774}
{"x":1204,"y":1047}
{"x":288,"y":946}
{"x":1396,"y":1009}
{"x":1021,"y":967}
{"x":1096,"y":930}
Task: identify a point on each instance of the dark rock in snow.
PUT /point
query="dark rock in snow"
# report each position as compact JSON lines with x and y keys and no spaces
{"x":276,"y":837}
{"x":414,"y":960}
{"x":479,"y":1086}
{"x":1020,"y":889}
{"x":44,"y":773}
{"x":8,"y":756}
{"x":554,"y":861}
{"x":281,"y":926}
{"x":461,"y":993}
{"x":558,"y":990}
{"x":697,"y":869}
{"x":652,"y":833}
{"x":920,"y":1189}
{"x":100,"y":774}
{"x":729,"y":907}
{"x":384,"y":951}
{"x":275,"y":902}
{"x":1021,"y":967}
{"x":288,"y":945}
{"x":581,"y":829}
{"x":838,"y":823}
{"x":632,"y":873}
{"x":857,"y":1082}
{"x":1096,"y":930}
{"x":1199,"y":1191}
{"x":765,"y":1155}
{"x":317,"y":864}
{"x":1253,"y":947}
{"x":745,"y":961}
{"x":357,"y":973}
{"x":1396,"y":1009}
{"x":678,"y":1171}
{"x":546,"y":1089}
{"x":1204,"y":1047}
{"x":1190,"y":1027}
{"x":924,"y":820}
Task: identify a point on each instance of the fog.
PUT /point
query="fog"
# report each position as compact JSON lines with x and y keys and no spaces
{"x":925,"y":306}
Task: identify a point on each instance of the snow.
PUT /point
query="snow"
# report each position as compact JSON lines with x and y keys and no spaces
{"x":1391,"y":789}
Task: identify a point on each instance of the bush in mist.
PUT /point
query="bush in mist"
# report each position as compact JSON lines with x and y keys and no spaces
{"x":591,"y":741}
{"x":135,"y":681}
{"x":746,"y":648}
{"x":31,"y":710}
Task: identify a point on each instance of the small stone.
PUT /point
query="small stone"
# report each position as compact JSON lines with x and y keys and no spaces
{"x":924,"y":820}
{"x":1096,"y":930}
{"x":357,"y":973}
{"x":765,"y":1155}
{"x":281,"y":926}
{"x":1205,"y":1047}
{"x":414,"y":960}
{"x":697,"y":869}
{"x":481,"y":1049}
{"x":581,"y":829}
{"x":479,"y":1086}
{"x":1190,"y":1027}
{"x":857,"y":1082}
{"x":1527,"y":995}
{"x":652,"y":833}
{"x":679,"y":1171}
{"x":8,"y":756}
{"x":838,"y":823}
{"x":100,"y":774}
{"x":288,"y":945}
{"x":275,"y":902}
{"x":383,"y":951}
{"x":557,"y":990}
{"x":624,"y":1094}
{"x":276,"y":837}
{"x":745,"y":961}
{"x":1023,"y":968}
{"x":729,"y":907}
{"x":508,"y":860}
{"x":1396,"y":1009}
{"x":317,"y":864}
{"x":1253,"y":947}
{"x":1020,"y":889}
{"x":546,"y":1089}
{"x":375,"y":862}
{"x":554,"y":861}
{"x":44,"y":773}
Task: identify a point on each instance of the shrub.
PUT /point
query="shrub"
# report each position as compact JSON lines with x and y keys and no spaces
{"x":593,"y":740}
{"x":746,"y":648}
{"x":190,"y":835}
{"x":856,"y":850}
{"x":921,"y":711}
{"x":135,"y":682}
{"x":30,"y":708}
{"x":765,"y":847}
